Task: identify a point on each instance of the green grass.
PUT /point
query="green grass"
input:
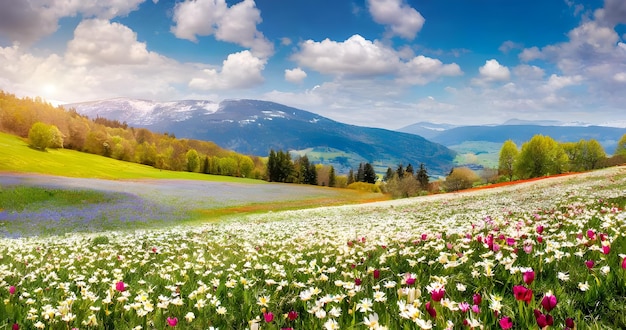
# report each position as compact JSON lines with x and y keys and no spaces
{"x":477,"y":152}
{"x":17,"y":156}
{"x":19,"y":198}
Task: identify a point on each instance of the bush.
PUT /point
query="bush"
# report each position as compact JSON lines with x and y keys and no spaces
{"x":42,"y":136}
{"x":100,"y":240}
{"x":461,"y":178}
{"x":364,"y":186}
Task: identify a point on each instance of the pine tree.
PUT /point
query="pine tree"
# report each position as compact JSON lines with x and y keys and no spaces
{"x":409,"y":170}
{"x":332,"y":178}
{"x":389,"y":175}
{"x":350,"y":177}
{"x":422,"y":177}
{"x":360,"y":174}
{"x":369,"y":175}
{"x":400,"y":171}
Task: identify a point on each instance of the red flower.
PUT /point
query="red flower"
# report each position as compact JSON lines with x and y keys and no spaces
{"x":624,"y":263}
{"x":15,"y":326}
{"x":528,"y":277}
{"x":431,"y":310}
{"x":269,"y":317}
{"x":357,"y":281}
{"x":606,"y":249}
{"x":120,"y":286}
{"x":548,"y":302}
{"x":292,"y":315}
{"x":543,"y":320}
{"x":172,"y":321}
{"x":522,"y":293}
{"x":376,"y":274}
{"x":539,"y":229}
{"x":506,"y":323}
{"x":539,"y":239}
{"x":569,"y":322}
{"x":589,"y":263}
{"x":438,"y":294}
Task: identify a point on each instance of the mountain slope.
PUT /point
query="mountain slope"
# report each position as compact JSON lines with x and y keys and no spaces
{"x":254,"y":127}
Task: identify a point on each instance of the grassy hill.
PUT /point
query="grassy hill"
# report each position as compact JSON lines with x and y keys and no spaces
{"x":17,"y":156}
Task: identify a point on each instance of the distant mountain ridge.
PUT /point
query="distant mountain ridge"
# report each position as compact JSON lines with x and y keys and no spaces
{"x":254,"y":127}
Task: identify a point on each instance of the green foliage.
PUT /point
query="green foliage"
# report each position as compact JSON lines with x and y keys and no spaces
{"x":422,"y":177}
{"x":364,"y":186}
{"x":193,"y":160}
{"x":42,"y":136}
{"x":332,"y":178}
{"x":404,"y":187}
{"x":460,"y":178}
{"x":100,"y":240}
{"x":621,"y":147}
{"x":540,"y":156}
{"x":506,"y":161}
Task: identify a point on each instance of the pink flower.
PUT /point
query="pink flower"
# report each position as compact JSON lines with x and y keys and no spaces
{"x":376,"y":274}
{"x":522,"y":293}
{"x":606,"y":249}
{"x":12,"y":289}
{"x":437,"y":294}
{"x":15,"y":326}
{"x":464,"y":306}
{"x":589,"y":263}
{"x":543,"y":320}
{"x":424,"y":237}
{"x":357,"y":281}
{"x":569,"y":322}
{"x":506,"y":323}
{"x":624,"y":263}
{"x":269,"y":317}
{"x":591,"y":234}
{"x":120,"y":286}
{"x":510,"y":241}
{"x":475,"y":309}
{"x":477,"y":299}
{"x":539,"y":229}
{"x":172,"y":321}
{"x":528,"y":248}
{"x":292,"y":315}
{"x":548,"y":302}
{"x":528,"y":277}
{"x":409,"y":279}
{"x":431,"y":310}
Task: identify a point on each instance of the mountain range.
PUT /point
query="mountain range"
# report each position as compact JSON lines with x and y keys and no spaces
{"x":254,"y":127}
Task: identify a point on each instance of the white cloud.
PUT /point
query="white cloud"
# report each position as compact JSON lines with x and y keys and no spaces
{"x":620,"y":77}
{"x":529,"y":72}
{"x":556,"y":82}
{"x":26,"y":21}
{"x":101,"y":42}
{"x":398,"y":16}
{"x":236,"y":24}
{"x":509,"y":45}
{"x":422,"y":70}
{"x":295,"y":75}
{"x":239,"y":70}
{"x":492,"y":71}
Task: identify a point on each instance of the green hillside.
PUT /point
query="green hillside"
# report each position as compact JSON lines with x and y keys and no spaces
{"x":17,"y":156}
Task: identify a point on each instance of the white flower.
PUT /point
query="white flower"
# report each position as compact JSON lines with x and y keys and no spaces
{"x":583,"y":286}
{"x":371,"y":320}
{"x":331,"y":325}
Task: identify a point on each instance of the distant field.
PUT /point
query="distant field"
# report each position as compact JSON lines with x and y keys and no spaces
{"x":477,"y":152}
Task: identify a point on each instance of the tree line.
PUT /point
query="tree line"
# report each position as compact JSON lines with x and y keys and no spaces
{"x":542,"y":155}
{"x":47,"y":126}
{"x":281,"y":168}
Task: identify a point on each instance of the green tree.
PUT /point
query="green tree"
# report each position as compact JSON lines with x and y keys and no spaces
{"x":540,"y":156}
{"x":506,"y":162}
{"x":332,"y":178}
{"x":409,"y":170}
{"x":40,"y":136}
{"x":400,"y":171}
{"x":246,"y":165}
{"x":388,"y":175}
{"x":369,"y":175}
{"x":360,"y":173}
{"x":193,"y":160}
{"x":592,"y":154}
{"x":350,"y":178}
{"x":621,"y":147}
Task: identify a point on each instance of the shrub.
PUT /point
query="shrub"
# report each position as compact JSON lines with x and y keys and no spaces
{"x":460,"y":178}
{"x":42,"y":136}
{"x":100,"y":240}
{"x":364,"y":186}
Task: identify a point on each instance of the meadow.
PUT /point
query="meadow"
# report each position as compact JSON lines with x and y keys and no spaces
{"x":545,"y":254}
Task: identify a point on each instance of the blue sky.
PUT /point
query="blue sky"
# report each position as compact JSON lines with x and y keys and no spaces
{"x":380,"y":63}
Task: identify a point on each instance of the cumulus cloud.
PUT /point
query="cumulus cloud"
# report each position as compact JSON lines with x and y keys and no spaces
{"x":101,"y":42}
{"x":492,"y":71}
{"x":529,"y":72}
{"x":239,"y":70}
{"x":400,"y":18}
{"x":295,"y":75}
{"x":509,"y":45}
{"x":26,"y":21}
{"x":358,"y":57}
{"x":235,"y":24}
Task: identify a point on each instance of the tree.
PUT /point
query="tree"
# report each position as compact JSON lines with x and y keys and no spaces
{"x":369,"y":175}
{"x":592,"y":154}
{"x":422,"y":177}
{"x":193,"y":160}
{"x":409,"y":170}
{"x":332,"y":178}
{"x":39,"y":136}
{"x":400,"y":171}
{"x":388,"y":175}
{"x":350,"y":178}
{"x":360,"y":173}
{"x":621,"y":147}
{"x":246,"y":165}
{"x":506,"y":162}
{"x":540,"y":156}
{"x":460,"y":178}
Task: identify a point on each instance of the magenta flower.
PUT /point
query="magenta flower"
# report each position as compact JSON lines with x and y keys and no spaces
{"x":376,"y":274}
{"x":464,"y":306}
{"x":549,"y":302}
{"x":437,"y":294}
{"x":522,"y":293}
{"x":590,"y":263}
{"x":357,"y":281}
{"x":269,"y":317}
{"x":543,"y":320}
{"x":15,"y":326}
{"x":591,"y":234}
{"x":506,"y":323}
{"x":475,"y":309}
{"x":477,"y":299}
{"x":172,"y":321}
{"x":120,"y":286}
{"x":510,"y":241}
{"x":539,"y":239}
{"x":569,"y":322}
{"x":539,"y":229}
{"x":606,"y":249}
{"x":528,"y":277}
{"x":424,"y":237}
{"x":624,"y":263}
{"x":528,"y":248}
{"x":292,"y":315}
{"x":12,"y":289}
{"x":431,"y":310}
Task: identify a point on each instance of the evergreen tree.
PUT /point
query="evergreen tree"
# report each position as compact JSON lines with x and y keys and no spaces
{"x":350,"y":177}
{"x":272,"y":165}
{"x":409,"y":170}
{"x":360,"y":174}
{"x":369,"y":175}
{"x":400,"y":171}
{"x":332,"y":178}
{"x":389,"y":175}
{"x":422,"y":177}
{"x":312,"y":175}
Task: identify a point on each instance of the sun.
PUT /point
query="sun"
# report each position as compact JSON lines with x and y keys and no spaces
{"x":49,"y":90}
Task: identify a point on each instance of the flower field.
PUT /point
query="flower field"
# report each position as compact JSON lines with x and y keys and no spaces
{"x":547,"y":254}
